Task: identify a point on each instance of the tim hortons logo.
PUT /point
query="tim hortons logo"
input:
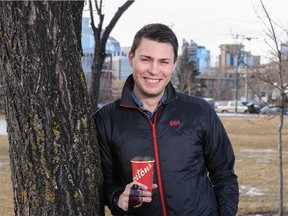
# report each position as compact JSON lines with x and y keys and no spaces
{"x":174,"y":123}
{"x":142,"y":172}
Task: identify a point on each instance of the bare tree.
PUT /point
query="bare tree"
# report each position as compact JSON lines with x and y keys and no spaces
{"x":101,"y":36}
{"x":54,"y":157}
{"x":186,"y":73}
{"x":277,"y":80}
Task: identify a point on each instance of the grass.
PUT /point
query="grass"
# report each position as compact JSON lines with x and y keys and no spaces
{"x":255,"y":143}
{"x":6,"y":194}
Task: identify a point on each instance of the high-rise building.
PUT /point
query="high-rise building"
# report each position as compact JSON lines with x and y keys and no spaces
{"x":203,"y":56}
{"x":284,"y":51}
{"x":198,"y":54}
{"x":88,"y":44}
{"x":233,"y":56}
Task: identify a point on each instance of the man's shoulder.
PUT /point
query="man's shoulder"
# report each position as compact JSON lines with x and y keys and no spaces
{"x":195,"y":102}
{"x":190,"y":98}
{"x":107,"y":107}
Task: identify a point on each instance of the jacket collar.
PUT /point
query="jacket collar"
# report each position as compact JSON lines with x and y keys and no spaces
{"x":126,"y":96}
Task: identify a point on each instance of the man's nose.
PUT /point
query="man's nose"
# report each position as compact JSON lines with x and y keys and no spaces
{"x":154,"y":68}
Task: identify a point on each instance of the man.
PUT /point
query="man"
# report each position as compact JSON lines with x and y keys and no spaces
{"x":194,"y":158}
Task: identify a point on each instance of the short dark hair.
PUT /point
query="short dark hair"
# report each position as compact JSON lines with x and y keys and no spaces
{"x":156,"y":32}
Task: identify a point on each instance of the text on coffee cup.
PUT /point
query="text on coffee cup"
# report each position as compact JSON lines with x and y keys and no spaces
{"x":142,"y":172}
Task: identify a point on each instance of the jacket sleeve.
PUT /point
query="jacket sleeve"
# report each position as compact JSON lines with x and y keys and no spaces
{"x":111,"y":186}
{"x":220,"y":158}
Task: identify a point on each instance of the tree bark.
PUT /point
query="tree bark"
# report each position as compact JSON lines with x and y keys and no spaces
{"x":54,"y":156}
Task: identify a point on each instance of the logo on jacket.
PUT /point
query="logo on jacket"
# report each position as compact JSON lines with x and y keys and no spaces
{"x":174,"y":123}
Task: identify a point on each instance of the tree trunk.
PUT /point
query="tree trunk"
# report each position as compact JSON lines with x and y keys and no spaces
{"x":101,"y":36}
{"x":54,"y":155}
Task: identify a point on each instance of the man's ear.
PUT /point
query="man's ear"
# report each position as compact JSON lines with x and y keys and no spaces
{"x":130,"y":58}
{"x":175,"y":64}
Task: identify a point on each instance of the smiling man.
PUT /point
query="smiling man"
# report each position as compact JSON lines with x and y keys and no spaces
{"x":194,"y":159}
{"x":152,"y":63}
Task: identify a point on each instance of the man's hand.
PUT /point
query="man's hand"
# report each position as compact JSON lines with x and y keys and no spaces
{"x":144,"y":196}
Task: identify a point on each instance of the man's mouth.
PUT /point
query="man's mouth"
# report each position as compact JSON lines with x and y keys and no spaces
{"x":152,"y":80}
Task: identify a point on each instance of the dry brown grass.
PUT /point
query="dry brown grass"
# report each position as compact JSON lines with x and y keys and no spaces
{"x":255,"y":144}
{"x":6,"y":195}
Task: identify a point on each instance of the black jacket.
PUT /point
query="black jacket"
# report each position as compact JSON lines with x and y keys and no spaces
{"x":196,"y":158}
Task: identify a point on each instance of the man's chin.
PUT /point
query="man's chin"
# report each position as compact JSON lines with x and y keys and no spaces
{"x":152,"y":94}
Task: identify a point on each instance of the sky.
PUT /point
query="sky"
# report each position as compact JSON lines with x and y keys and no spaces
{"x":209,"y":23}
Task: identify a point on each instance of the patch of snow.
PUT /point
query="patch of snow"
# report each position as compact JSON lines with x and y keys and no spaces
{"x":250,"y":190}
{"x":258,"y":150}
{"x":254,"y":192}
{"x":3,"y":127}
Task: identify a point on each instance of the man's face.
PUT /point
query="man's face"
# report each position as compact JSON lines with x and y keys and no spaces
{"x":152,"y":65}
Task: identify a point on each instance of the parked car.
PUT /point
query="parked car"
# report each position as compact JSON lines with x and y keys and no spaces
{"x":229,"y":107}
{"x":220,"y":103}
{"x":270,"y":110}
{"x":210,"y":101}
{"x":254,"y":107}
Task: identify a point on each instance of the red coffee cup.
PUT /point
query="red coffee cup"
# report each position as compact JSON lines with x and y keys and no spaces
{"x":143,"y":170}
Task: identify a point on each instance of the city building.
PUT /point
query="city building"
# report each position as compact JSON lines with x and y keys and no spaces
{"x":203,"y":56}
{"x":236,"y":64}
{"x":229,"y":57}
{"x":198,"y":54}
{"x":88,"y":44}
{"x":284,"y":51}
{"x":233,"y":56}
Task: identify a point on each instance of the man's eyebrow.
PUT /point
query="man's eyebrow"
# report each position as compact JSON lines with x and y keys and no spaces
{"x":149,"y":57}
{"x":145,"y":56}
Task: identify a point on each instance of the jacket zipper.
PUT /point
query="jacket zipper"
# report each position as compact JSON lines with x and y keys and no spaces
{"x":158,"y":165}
{"x":155,"y":145}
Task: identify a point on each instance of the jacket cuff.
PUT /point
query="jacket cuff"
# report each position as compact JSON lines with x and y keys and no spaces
{"x":115,"y":210}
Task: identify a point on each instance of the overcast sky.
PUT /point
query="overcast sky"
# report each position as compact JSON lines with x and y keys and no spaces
{"x":207,"y":22}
